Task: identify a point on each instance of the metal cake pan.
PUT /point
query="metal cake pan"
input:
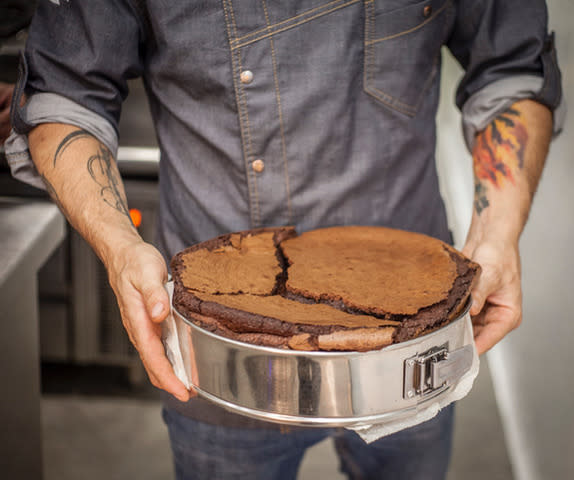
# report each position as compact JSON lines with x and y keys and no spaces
{"x":327,"y":389}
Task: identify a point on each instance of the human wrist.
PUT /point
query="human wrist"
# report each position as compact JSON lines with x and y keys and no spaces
{"x":114,"y":253}
{"x":491,"y":227}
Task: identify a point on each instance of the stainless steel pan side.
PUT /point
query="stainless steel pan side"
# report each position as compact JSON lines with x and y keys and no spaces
{"x":328,"y":388}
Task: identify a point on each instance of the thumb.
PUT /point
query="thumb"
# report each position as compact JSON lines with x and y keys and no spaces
{"x":157,"y":303}
{"x":154,"y":294}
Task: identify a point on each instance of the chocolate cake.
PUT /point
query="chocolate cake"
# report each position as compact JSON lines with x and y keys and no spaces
{"x":339,"y":288}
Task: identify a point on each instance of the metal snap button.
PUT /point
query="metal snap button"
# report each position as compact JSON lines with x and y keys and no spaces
{"x":246,"y":76}
{"x":427,"y":11}
{"x":258,"y":165}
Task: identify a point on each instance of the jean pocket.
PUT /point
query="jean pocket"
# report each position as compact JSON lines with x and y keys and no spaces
{"x":402,"y":51}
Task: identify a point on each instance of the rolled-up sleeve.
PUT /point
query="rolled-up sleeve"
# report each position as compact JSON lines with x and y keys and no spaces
{"x":507,"y":55}
{"x":78,"y":59}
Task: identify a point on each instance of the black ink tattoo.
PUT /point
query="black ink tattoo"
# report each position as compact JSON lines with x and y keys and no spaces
{"x":480,"y":200}
{"x":68,"y":140}
{"x":101,"y":169}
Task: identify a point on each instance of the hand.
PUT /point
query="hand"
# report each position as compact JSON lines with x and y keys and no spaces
{"x":138,"y":274}
{"x":6,"y":92}
{"x":497,"y":296}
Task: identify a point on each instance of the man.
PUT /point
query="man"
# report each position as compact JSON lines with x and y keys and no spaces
{"x":310,"y":113}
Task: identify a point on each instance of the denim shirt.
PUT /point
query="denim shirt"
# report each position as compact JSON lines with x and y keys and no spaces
{"x":304,"y":112}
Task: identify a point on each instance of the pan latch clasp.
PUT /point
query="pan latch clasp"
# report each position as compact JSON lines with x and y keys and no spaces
{"x":435,"y":370}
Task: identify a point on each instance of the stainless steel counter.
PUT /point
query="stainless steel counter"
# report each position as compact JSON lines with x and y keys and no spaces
{"x":29,"y":233}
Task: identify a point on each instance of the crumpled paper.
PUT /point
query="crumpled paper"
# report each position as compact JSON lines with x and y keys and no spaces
{"x":173,"y":330}
{"x":370,"y":433}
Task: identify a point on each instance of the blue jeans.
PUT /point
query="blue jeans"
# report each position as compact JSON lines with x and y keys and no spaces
{"x":205,"y":451}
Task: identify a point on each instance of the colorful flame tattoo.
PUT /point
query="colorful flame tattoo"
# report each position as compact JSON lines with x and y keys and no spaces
{"x":498,"y":154}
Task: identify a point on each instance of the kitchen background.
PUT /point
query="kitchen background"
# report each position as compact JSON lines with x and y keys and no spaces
{"x":100,"y":417}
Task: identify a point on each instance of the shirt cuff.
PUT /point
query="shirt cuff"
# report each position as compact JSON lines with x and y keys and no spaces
{"x":53,"y":108}
{"x":496,"y":97}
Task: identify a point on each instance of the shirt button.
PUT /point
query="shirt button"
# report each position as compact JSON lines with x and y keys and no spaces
{"x":427,"y":11}
{"x":258,"y":165}
{"x":246,"y":76}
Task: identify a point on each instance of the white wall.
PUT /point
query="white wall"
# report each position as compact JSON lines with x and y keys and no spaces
{"x":533,"y":368}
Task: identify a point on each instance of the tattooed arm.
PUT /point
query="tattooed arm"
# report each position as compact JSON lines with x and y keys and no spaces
{"x":508,"y":158}
{"x":82,"y":177}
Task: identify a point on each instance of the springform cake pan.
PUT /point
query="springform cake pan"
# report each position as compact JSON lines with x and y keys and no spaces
{"x":327,"y":389}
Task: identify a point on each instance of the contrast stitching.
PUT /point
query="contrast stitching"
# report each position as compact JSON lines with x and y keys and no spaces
{"x":283,"y":22}
{"x":366,"y":67}
{"x":18,"y":161}
{"x":280,"y":111}
{"x":368,"y":50}
{"x":233,"y":22}
{"x":369,"y":61}
{"x":410,"y":110}
{"x":19,"y":154}
{"x":383,"y":97}
{"x":392,"y":102}
{"x":410,"y":30}
{"x":239,"y":109}
{"x":248,"y":126}
{"x":294,"y":24}
{"x":434,"y":68}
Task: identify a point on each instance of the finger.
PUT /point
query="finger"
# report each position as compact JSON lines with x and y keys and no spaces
{"x":498,"y":322}
{"x":488,"y":282}
{"x":146,"y":337}
{"x":163,"y":370}
{"x":477,"y":323}
{"x":476,"y":329}
{"x":156,"y":363}
{"x":157,"y":383}
{"x":489,"y":335}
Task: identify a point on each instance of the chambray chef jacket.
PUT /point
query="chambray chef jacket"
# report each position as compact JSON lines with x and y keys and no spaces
{"x":308,"y":112}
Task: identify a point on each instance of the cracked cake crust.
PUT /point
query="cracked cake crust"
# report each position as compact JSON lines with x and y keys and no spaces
{"x":232,"y":297}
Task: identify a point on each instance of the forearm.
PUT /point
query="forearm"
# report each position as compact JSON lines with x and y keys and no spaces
{"x":508,"y":159}
{"x":82,"y":177}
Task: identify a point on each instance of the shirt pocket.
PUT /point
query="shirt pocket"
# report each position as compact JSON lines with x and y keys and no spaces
{"x":402,"y":51}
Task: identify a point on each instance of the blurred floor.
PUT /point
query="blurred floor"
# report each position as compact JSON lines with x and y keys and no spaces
{"x":102,"y":429}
